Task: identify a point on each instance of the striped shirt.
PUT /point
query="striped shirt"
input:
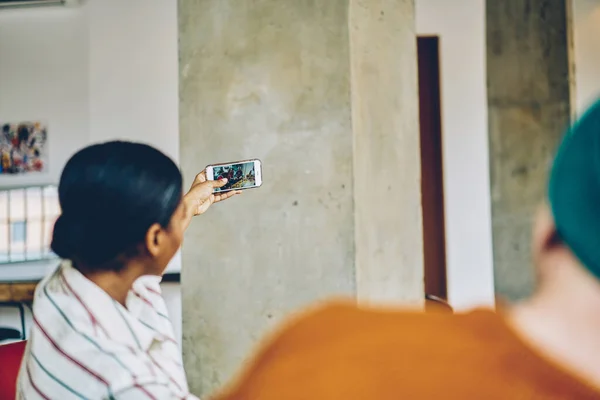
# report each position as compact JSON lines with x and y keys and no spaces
{"x":85,"y":345}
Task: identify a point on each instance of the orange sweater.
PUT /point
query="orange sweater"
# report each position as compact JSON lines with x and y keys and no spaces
{"x":341,"y":352}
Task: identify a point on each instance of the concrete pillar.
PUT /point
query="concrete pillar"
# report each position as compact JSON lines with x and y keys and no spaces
{"x":529,"y":106}
{"x":325,"y":93}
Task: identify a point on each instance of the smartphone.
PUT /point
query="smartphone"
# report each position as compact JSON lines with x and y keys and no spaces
{"x":240,"y":175}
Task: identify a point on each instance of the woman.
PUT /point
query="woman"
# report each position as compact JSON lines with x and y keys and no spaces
{"x":101,"y":329}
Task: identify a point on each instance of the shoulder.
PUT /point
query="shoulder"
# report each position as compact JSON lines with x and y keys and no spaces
{"x":149,"y":283}
{"x":146,"y":297}
{"x":343,"y":346}
{"x":345,"y":320}
{"x":148,"y":288}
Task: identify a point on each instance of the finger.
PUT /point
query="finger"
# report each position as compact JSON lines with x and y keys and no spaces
{"x":222,"y":196}
{"x":201,"y":177}
{"x":226,"y":195}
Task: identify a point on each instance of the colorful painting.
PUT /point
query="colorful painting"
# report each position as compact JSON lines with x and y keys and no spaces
{"x":23,"y":148}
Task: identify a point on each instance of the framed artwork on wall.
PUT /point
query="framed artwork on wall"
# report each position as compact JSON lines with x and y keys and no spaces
{"x":23,"y":148}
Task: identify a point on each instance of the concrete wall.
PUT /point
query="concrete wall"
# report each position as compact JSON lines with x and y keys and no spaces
{"x":388,"y":239}
{"x":333,"y":117}
{"x":253,"y":86}
{"x":529,"y":107}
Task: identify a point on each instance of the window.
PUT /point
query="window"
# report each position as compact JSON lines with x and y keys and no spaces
{"x":27,"y":217}
{"x":18,"y":231}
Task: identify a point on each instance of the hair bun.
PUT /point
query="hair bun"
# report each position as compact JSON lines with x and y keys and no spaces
{"x":104,"y":219}
{"x":64,"y":238}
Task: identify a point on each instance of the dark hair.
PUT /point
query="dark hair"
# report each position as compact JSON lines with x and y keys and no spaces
{"x":110,"y":194}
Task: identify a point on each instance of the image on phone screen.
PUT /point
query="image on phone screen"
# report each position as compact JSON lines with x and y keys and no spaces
{"x":239,"y":176}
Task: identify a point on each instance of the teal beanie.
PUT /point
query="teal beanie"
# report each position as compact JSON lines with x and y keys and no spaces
{"x":574,"y":189}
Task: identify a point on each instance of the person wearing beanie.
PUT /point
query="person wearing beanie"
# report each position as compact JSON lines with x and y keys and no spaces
{"x":546,"y":347}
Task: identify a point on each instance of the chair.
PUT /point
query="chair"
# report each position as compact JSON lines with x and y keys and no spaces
{"x":19,"y":295}
{"x":11,"y":355}
{"x":11,"y":333}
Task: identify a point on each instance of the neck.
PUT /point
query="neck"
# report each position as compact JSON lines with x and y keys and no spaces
{"x":562,"y":321}
{"x":116,"y":284}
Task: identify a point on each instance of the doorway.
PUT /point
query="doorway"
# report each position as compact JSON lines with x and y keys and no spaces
{"x":432,"y":177}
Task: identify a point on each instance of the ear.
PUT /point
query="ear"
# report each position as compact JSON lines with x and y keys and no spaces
{"x":545,"y":236}
{"x":154,"y":239}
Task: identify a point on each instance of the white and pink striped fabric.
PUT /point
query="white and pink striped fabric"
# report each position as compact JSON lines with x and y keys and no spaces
{"x":85,"y":345}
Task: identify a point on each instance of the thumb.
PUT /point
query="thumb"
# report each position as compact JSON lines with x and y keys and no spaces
{"x":219,"y":183}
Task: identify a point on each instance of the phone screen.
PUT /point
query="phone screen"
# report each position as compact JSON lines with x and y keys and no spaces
{"x":239,"y":176}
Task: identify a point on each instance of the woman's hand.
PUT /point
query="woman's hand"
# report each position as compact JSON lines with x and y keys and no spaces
{"x":201,"y":195}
